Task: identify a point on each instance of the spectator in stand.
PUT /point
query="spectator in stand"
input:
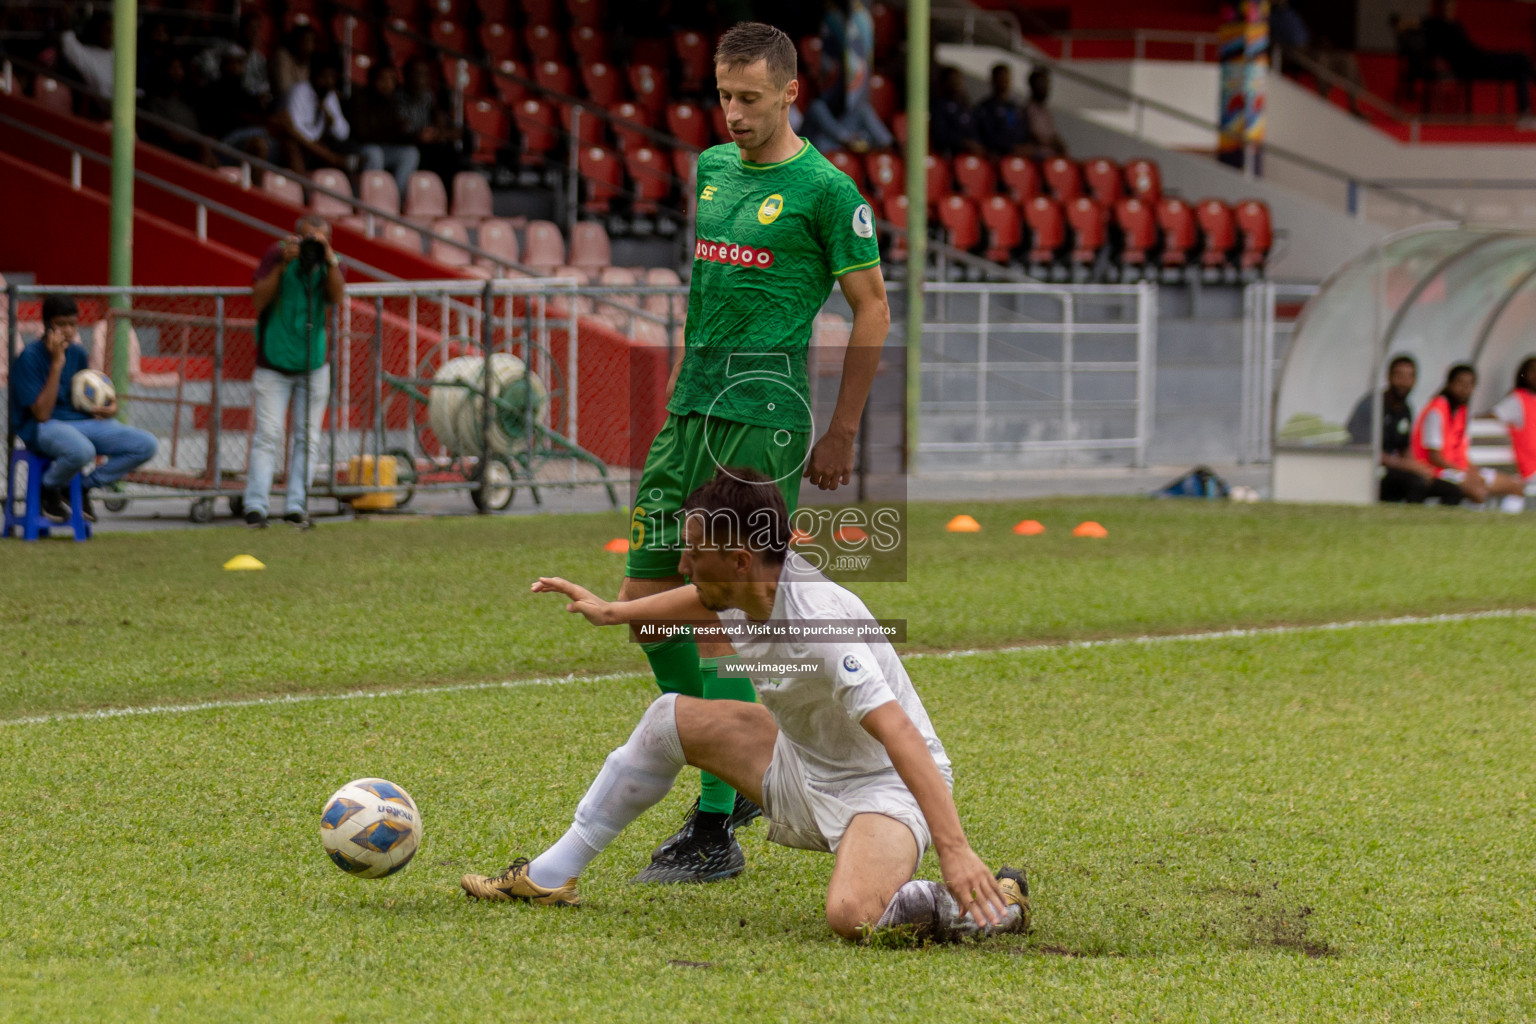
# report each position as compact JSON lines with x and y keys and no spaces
{"x":1517,"y":412}
{"x":1441,"y":438}
{"x":231,"y":114}
{"x":255,"y":78}
{"x":291,"y":64}
{"x":296,"y":283}
{"x":49,"y":425}
{"x":91,"y":57}
{"x":1403,"y":478}
{"x":1044,"y":140}
{"x":1290,"y":36}
{"x":166,"y":97}
{"x":312,"y":129}
{"x":378,"y":127}
{"x":952,"y":126}
{"x":1001,"y":126}
{"x":425,"y":120}
{"x":1445,"y":37}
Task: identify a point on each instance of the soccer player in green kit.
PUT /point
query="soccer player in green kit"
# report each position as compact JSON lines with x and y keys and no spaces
{"x":776,"y":225}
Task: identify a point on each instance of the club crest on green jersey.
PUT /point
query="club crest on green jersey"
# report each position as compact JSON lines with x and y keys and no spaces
{"x":770,"y":210}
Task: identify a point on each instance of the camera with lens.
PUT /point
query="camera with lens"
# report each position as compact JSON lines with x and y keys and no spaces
{"x":311,"y":254}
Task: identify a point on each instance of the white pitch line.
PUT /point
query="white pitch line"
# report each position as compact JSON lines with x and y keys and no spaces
{"x":512,"y":684}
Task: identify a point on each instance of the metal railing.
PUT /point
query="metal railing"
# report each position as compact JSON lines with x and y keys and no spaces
{"x":1037,"y":375}
{"x":1271,"y":312}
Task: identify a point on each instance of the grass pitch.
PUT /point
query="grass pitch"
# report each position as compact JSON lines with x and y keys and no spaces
{"x":1309,"y":826}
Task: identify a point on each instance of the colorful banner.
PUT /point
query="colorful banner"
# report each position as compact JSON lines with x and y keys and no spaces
{"x":1232,"y":115}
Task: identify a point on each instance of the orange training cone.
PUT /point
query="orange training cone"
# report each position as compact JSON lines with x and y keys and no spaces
{"x":963,"y":524}
{"x":850,"y":535}
{"x":1029,"y":528}
{"x":618,"y":545}
{"x":1089,"y":528}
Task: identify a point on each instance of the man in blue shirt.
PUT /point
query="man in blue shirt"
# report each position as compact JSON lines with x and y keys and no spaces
{"x":1001,"y":124}
{"x":49,"y":425}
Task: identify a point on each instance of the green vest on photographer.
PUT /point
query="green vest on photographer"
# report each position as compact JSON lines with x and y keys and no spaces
{"x":280,"y":329}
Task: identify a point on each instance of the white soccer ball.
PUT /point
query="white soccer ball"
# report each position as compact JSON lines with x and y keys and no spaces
{"x":91,"y":391}
{"x":370,"y":828}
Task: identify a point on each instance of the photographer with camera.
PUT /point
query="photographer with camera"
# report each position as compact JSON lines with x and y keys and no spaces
{"x":47,"y":422}
{"x":297,"y":282}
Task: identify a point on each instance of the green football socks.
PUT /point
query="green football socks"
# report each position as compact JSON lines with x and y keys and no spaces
{"x":676,"y":664}
{"x":717,"y":797}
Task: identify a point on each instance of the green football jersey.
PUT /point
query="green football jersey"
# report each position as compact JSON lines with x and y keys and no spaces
{"x":771,"y":239}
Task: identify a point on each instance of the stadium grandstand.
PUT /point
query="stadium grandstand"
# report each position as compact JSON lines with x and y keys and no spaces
{"x":560,"y":140}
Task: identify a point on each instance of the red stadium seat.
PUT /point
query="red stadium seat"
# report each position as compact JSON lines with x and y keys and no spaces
{"x":591,"y":130}
{"x":589,"y":43}
{"x":471,"y":198}
{"x":649,"y":86}
{"x":1064,"y":177}
{"x":882,"y":97}
{"x":543,"y":43}
{"x":694,"y":58}
{"x":399,"y":41}
{"x":378,"y":189}
{"x":589,"y":245}
{"x":358,"y":68}
{"x":718,"y":123}
{"x":1258,"y":234}
{"x":887,"y":174}
{"x":655,"y":51}
{"x":975,"y":176}
{"x":488,"y":120}
{"x":1104,"y":181}
{"x":651,"y":173}
{"x":463,"y":75}
{"x":511,"y":89}
{"x":686,"y":121}
{"x":1138,"y":230}
{"x":896,"y":213}
{"x":426,"y":200}
{"x":849,"y":165}
{"x":1047,"y":229}
{"x":628,"y":138}
{"x":1180,"y":235}
{"x":1144,"y":180}
{"x":497,"y":238}
{"x":958,"y":215}
{"x":283,"y":189}
{"x":603,"y":85}
{"x":540,"y":126}
{"x":545,"y":248}
{"x":940,"y":183}
{"x":453,"y":10}
{"x":603,"y":176}
{"x":1005,"y":227}
{"x":1020,"y":177}
{"x":449,"y":34}
{"x":1090,"y":229}
{"x":899,"y":127}
{"x":586,"y":12}
{"x":1220,"y":230}
{"x":497,"y":42}
{"x":810,"y":55}
{"x":324,"y":205}
{"x":352,"y":33}
{"x":401,"y":236}
{"x":441,"y":248}
{"x":555,"y":76}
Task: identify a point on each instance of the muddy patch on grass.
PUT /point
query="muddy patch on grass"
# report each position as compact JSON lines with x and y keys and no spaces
{"x":1262,"y":918}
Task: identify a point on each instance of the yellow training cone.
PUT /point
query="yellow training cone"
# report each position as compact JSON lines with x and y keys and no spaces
{"x":963,"y":524}
{"x":242,"y":563}
{"x":1029,"y":528}
{"x":618,"y":545}
{"x":1089,"y":528}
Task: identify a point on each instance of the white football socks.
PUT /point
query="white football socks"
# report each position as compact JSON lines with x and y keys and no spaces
{"x":929,"y":909}
{"x":1514,"y":504}
{"x":634,"y":777}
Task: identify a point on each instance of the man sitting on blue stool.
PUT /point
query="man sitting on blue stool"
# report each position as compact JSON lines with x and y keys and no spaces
{"x":50,"y":426}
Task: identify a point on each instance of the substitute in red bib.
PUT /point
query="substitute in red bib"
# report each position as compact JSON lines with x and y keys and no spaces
{"x":1517,"y":411}
{"x":1440,"y":438}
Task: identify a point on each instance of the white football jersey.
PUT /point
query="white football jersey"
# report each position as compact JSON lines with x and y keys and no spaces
{"x":820,"y":713}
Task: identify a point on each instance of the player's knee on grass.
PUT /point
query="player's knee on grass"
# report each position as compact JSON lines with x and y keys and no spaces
{"x":850,"y":914}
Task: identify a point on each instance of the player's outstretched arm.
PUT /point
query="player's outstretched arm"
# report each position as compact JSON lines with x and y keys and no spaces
{"x":681,"y":604}
{"x":831,"y":462}
{"x":965,"y":875}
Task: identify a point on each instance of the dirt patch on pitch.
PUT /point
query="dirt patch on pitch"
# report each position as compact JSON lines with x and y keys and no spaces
{"x":1264,"y":919}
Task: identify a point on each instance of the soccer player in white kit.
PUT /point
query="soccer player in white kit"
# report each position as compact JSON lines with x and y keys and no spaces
{"x":840,"y":754}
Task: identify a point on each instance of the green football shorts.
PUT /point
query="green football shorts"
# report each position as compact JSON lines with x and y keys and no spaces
{"x":684,"y":456}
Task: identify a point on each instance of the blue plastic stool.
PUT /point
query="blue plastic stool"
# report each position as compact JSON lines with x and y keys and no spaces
{"x":32,"y":523}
